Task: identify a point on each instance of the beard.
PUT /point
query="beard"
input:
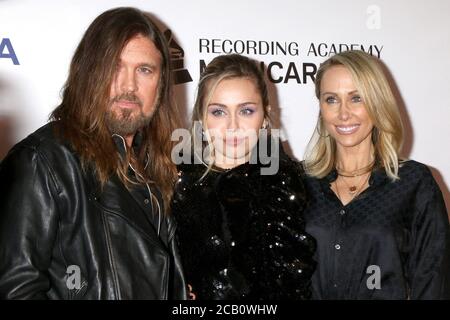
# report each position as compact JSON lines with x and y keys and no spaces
{"x":126,"y":122}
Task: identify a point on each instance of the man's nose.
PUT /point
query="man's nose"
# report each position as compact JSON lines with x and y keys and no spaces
{"x":128,"y":81}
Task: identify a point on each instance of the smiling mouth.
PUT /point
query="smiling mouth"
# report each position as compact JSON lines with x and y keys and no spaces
{"x":347,"y":129}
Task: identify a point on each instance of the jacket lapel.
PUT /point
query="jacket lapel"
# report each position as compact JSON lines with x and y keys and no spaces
{"x":116,"y":199}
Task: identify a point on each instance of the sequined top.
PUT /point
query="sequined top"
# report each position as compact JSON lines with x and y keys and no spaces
{"x":241,"y":234}
{"x":391,"y":242}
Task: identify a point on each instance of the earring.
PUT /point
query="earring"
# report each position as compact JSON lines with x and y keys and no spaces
{"x":202,"y":129}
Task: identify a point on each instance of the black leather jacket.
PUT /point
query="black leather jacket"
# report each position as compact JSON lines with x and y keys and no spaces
{"x":53,"y":216}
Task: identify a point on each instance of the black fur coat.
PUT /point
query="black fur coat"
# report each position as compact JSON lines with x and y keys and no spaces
{"x":241,"y":234}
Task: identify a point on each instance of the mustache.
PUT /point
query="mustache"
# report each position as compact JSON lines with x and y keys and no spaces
{"x":129,"y":97}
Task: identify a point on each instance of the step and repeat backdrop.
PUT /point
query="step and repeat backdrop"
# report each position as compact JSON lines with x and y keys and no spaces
{"x":290,"y":37}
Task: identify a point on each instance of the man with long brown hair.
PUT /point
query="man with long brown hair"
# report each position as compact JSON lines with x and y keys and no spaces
{"x":84,"y":199}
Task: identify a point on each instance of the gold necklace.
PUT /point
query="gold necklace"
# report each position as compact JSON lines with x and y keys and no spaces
{"x":355,"y":193}
{"x":357,"y":172}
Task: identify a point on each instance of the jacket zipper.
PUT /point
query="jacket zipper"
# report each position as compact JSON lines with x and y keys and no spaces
{"x":111,"y":257}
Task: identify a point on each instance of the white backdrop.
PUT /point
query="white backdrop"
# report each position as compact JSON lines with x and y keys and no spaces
{"x":412,"y":38}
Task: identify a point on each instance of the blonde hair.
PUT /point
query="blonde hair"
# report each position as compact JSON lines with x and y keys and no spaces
{"x":374,"y":88}
{"x":222,"y":68}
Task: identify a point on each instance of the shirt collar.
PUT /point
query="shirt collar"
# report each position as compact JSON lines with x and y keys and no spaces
{"x":122,"y":147}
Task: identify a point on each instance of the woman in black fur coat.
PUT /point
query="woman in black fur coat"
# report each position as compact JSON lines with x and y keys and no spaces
{"x":239,"y":199}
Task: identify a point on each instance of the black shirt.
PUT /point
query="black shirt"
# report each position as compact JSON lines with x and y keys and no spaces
{"x":391,"y":242}
{"x":147,"y":195}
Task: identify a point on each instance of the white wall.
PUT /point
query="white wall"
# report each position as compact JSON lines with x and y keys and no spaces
{"x":413,"y":37}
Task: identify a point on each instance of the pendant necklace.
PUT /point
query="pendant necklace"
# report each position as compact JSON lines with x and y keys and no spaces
{"x":352,"y":189}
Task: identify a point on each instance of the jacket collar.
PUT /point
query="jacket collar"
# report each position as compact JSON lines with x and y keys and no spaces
{"x":136,"y":145}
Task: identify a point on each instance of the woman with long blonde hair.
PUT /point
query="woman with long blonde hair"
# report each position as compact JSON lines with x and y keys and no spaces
{"x":380,"y":222}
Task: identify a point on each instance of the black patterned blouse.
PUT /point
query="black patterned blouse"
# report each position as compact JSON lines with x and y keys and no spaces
{"x":391,"y":242}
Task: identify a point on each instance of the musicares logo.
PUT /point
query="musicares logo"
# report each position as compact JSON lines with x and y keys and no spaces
{"x":180,"y":74}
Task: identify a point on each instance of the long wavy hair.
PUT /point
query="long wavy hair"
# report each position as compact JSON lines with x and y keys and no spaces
{"x":81,"y":116}
{"x":374,"y":88}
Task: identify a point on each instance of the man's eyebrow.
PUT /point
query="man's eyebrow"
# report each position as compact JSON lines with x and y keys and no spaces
{"x":151,"y":65}
{"x":146,"y":64}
